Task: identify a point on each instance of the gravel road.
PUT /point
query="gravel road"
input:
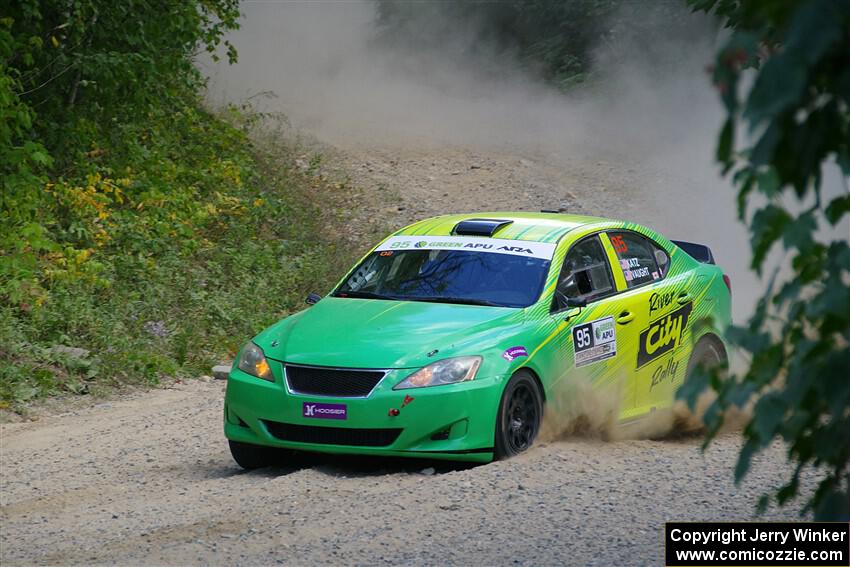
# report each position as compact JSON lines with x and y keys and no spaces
{"x":148,"y":480}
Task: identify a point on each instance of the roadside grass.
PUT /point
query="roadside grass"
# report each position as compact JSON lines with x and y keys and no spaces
{"x":181,"y":236}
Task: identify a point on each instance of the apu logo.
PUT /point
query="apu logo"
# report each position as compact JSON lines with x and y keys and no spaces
{"x":324,"y":411}
{"x":604,"y":332}
{"x":663,"y":335}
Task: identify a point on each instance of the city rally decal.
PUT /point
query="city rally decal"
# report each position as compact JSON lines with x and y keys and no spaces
{"x":594,"y":341}
{"x":663,"y":335}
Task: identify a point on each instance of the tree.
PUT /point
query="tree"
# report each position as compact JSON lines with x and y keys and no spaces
{"x":796,"y":115}
{"x":72,"y":71}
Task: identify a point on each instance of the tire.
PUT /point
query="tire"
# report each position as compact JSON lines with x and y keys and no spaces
{"x":709,"y":353}
{"x":251,"y":457}
{"x":519,"y":417}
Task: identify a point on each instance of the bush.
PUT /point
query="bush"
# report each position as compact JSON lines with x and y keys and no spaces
{"x":137,"y":225}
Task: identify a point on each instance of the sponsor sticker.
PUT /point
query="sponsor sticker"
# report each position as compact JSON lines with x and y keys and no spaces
{"x":659,"y":301}
{"x":635,"y":274}
{"x":663,"y":335}
{"x":529,"y":249}
{"x":594,"y":341}
{"x":664,"y":372}
{"x":514,"y":353}
{"x":620,"y":246}
{"x":324,"y":411}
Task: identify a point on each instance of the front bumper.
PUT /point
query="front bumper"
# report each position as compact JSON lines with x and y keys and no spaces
{"x":455,"y":422}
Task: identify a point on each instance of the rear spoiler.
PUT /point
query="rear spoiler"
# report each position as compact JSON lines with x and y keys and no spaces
{"x":699,"y":252}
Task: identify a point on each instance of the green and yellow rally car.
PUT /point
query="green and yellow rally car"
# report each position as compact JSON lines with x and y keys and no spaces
{"x":447,"y":339}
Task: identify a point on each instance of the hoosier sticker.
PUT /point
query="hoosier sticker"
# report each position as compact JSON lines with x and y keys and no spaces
{"x":324,"y":411}
{"x":594,"y":341}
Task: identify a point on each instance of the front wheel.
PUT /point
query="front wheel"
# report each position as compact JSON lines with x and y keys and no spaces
{"x":520,"y":414}
{"x":251,"y":457}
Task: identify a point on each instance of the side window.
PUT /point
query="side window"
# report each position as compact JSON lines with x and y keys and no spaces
{"x":640,"y":259}
{"x":662,"y":258}
{"x":586,"y":274}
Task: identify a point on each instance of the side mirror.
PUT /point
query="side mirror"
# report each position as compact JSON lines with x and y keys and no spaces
{"x":313,"y":299}
{"x":571,"y":302}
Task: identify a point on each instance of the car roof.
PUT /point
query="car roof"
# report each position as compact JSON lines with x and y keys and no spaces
{"x":536,"y":227}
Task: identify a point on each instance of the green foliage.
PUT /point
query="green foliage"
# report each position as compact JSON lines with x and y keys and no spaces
{"x":136,"y":225}
{"x":202,"y":241}
{"x":797,"y":111}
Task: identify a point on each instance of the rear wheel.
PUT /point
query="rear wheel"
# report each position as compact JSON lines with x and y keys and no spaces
{"x":251,"y":457}
{"x":520,"y":414}
{"x":708,"y":354}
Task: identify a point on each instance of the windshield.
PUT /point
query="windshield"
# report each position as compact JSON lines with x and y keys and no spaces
{"x":448,"y":276}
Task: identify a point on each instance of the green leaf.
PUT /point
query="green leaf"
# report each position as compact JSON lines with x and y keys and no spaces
{"x":837,"y":208}
{"x":767,"y":415}
{"x":763,"y":152}
{"x":769,"y":182}
{"x":815,"y":28}
{"x":763,"y":503}
{"x":726,"y":142}
{"x":799,"y":234}
{"x":779,"y":85}
{"x":767,"y":227}
{"x":744,"y":459}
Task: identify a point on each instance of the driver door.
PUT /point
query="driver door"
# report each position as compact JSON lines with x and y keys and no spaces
{"x":597,"y":339}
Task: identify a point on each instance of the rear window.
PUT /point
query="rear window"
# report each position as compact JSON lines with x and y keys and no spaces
{"x":637,"y":258}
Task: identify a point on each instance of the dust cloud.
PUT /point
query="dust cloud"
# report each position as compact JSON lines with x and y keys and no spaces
{"x":654,"y":118}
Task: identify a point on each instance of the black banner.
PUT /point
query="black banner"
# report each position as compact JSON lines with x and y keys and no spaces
{"x":817,"y":544}
{"x":663,"y":335}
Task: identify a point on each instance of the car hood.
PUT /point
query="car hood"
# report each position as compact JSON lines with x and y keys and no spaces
{"x":372,"y":333}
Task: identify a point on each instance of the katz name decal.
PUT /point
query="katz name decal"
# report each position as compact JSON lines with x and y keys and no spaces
{"x":324,"y":411}
{"x":663,"y":335}
{"x":594,"y":341}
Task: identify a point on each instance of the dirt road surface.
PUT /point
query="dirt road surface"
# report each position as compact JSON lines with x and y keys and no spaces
{"x":148,"y":480}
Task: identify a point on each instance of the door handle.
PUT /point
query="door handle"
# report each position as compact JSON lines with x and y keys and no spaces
{"x":683,"y":298}
{"x":625,"y":317}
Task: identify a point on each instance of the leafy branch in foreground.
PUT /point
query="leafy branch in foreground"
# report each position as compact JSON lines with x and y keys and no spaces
{"x":795,"y":111}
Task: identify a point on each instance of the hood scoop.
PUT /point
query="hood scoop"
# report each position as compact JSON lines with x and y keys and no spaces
{"x":479,"y":227}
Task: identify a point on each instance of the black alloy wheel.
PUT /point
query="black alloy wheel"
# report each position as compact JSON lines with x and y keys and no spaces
{"x":520,"y":415}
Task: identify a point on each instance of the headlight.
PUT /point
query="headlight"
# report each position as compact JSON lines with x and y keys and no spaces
{"x":253,"y":361}
{"x":448,"y":371}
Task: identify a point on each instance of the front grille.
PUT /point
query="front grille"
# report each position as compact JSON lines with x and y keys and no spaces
{"x":337,"y":382}
{"x":333,"y":435}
